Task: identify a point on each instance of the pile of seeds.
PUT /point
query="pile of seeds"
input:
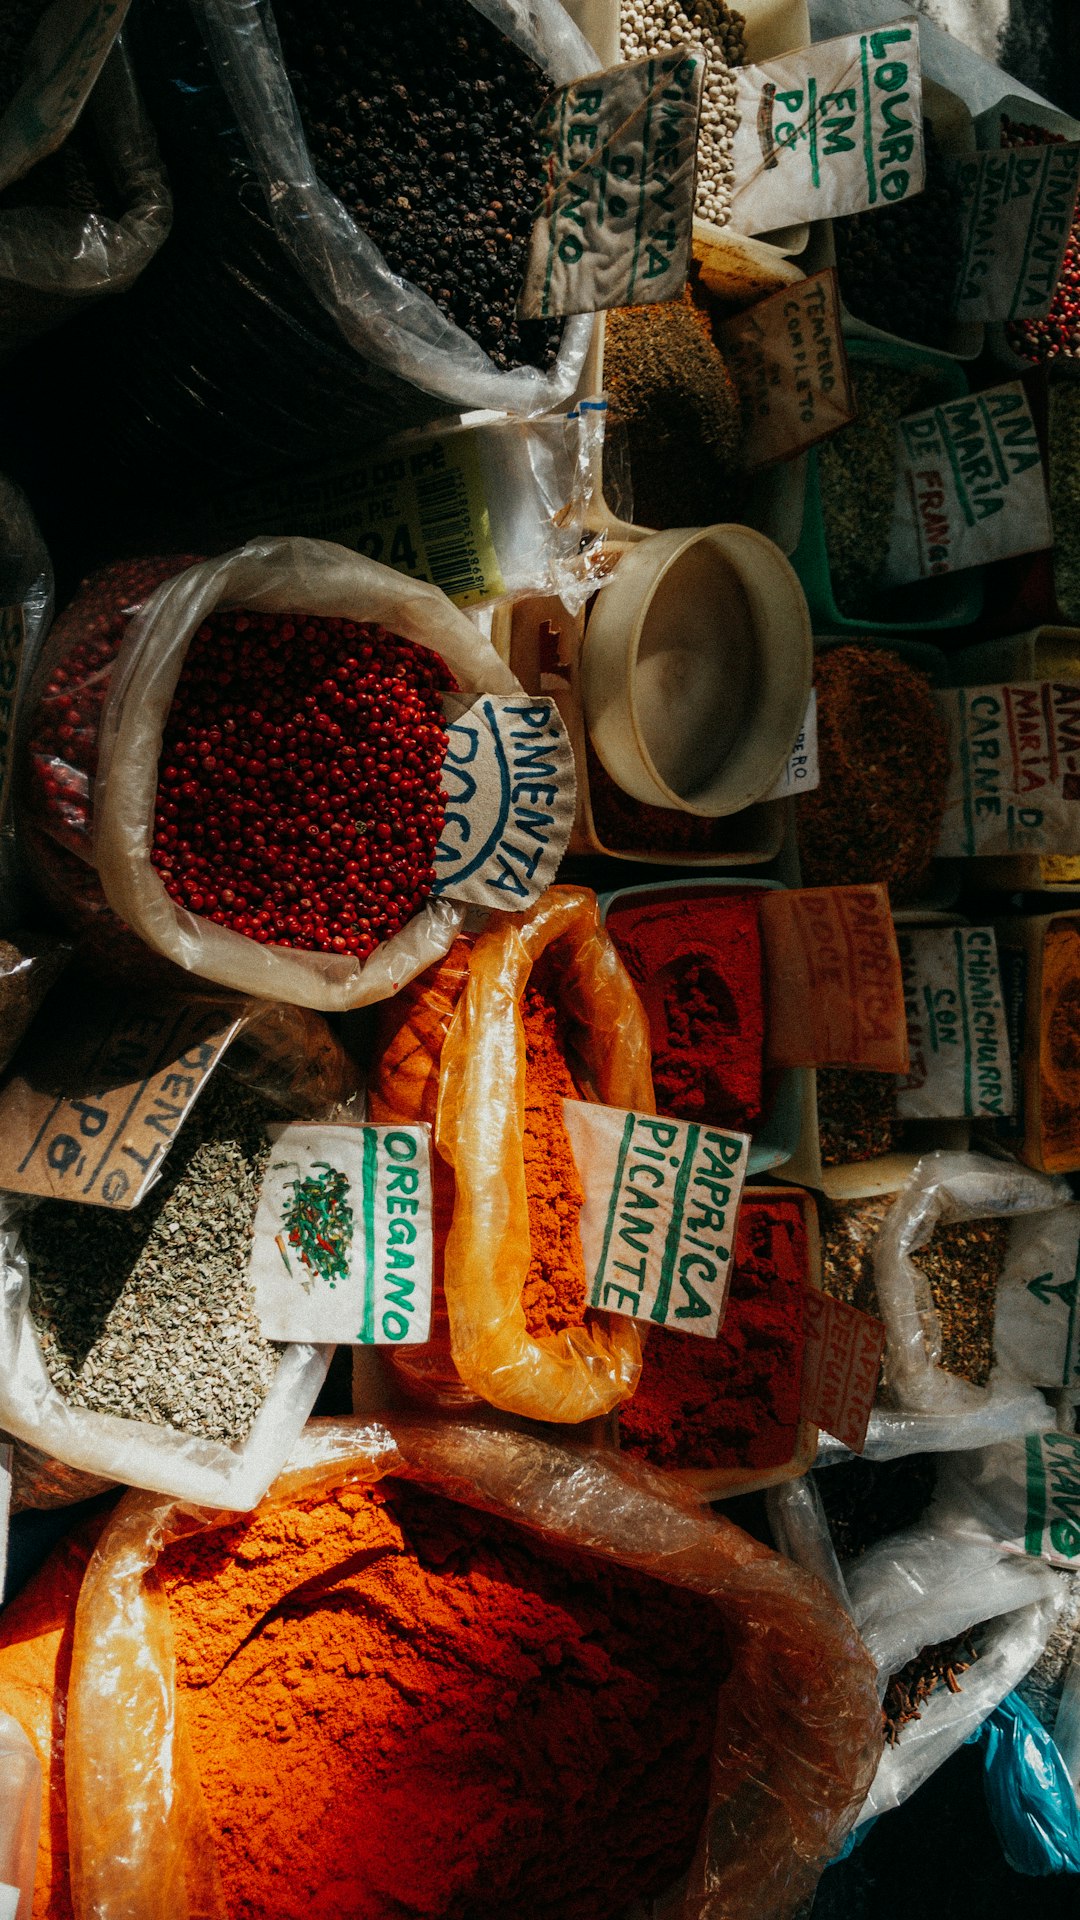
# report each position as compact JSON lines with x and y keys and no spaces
{"x":963,"y":1265}
{"x":148,"y":1314}
{"x":849,"y":1230}
{"x":671,"y":395}
{"x":1057,"y":334}
{"x":899,"y":265}
{"x":856,"y":1115}
{"x":867,"y":1500}
{"x":858,"y":479}
{"x":1064,"y":403}
{"x":425,"y":133}
{"x":659,"y":26}
{"x":910,"y":1689}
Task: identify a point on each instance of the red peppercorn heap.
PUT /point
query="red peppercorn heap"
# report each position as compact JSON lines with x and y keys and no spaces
{"x":1058,"y":333}
{"x":299,"y":786}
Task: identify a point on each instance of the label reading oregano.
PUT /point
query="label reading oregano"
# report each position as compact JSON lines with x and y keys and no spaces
{"x":661,"y":1207}
{"x":829,"y":129}
{"x":616,"y":217}
{"x":341,"y":1250}
{"x":12,"y":637}
{"x":957,"y":1030}
{"x":509,"y":780}
{"x":1014,"y":768}
{"x":786,"y":356}
{"x":970,"y":486}
{"x":1036,"y":1322}
{"x":1018,"y":209}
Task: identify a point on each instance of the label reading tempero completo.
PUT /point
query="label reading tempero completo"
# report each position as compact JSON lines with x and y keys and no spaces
{"x":786,"y":356}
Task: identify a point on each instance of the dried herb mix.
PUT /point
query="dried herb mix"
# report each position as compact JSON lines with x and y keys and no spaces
{"x":849,"y":1230}
{"x":963,"y":1264}
{"x":857,"y":469}
{"x":148,"y":1314}
{"x":670,"y":392}
{"x":856,"y":1115}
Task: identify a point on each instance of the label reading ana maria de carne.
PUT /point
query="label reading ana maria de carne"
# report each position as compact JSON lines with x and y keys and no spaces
{"x":957,"y":1029}
{"x":341,"y":1249}
{"x":509,"y":778}
{"x":970,"y":486}
{"x":1014,"y":768}
{"x":829,"y":129}
{"x":661,"y":1207}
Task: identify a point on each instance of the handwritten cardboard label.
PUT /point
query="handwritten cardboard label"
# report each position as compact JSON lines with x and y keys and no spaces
{"x":957,"y":1029}
{"x":970,"y":486}
{"x":661,"y":1207}
{"x":341,"y":1249}
{"x":841,"y":1362}
{"x":67,"y":52}
{"x":786,"y":356}
{"x":829,"y":129}
{"x":100,"y":1089}
{"x":619,"y":156}
{"x":835,"y":989}
{"x":12,"y":638}
{"x":1018,"y":208}
{"x":802,"y":772}
{"x":509,"y":777}
{"x":1014,"y":768}
{"x":1036,"y":1316}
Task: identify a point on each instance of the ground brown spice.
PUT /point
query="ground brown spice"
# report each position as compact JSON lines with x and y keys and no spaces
{"x":670,"y":392}
{"x":963,"y":1265}
{"x":856,"y":1115}
{"x":555,"y":1293}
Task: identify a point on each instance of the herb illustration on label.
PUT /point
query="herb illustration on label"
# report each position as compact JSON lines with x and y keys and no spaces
{"x":317,"y":1223}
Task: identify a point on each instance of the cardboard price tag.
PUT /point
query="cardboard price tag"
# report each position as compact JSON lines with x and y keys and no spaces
{"x":786,"y":356}
{"x":100,"y":1088}
{"x":619,"y":157}
{"x":1018,"y":207}
{"x":1014,"y":768}
{"x":661,"y":1207}
{"x":341,"y":1249}
{"x":841,"y":1361}
{"x":69,"y":48}
{"x":801,"y":773}
{"x":970,"y":486}
{"x":957,"y":1029}
{"x":829,"y":129}
{"x":509,"y":775}
{"x":833,"y":980}
{"x":12,"y":639}
{"x":1036,"y":1322}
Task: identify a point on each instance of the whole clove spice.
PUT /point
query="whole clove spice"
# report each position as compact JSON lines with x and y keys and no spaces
{"x":149,"y":1314}
{"x":856,"y":1115}
{"x":867,"y":1500}
{"x":910,"y":1689}
{"x":963,"y":1264}
{"x":899,"y":265}
{"x":857,"y":469}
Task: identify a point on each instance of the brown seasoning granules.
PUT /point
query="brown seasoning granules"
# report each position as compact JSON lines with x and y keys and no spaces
{"x":963,"y":1264}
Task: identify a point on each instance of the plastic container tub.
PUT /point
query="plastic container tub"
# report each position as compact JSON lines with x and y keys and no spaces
{"x":778,"y":1136}
{"x":1031,"y":113}
{"x":954,"y":600}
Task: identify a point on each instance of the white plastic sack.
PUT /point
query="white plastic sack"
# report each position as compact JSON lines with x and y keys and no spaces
{"x":392,"y":323}
{"x":20,"y":1814}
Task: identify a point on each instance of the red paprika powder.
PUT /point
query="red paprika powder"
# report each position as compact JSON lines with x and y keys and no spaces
{"x":696,"y":961}
{"x":555,"y":1293}
{"x":733,"y":1401}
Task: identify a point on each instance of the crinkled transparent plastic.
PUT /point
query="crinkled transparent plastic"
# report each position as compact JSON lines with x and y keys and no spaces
{"x":391,"y":322}
{"x":20,"y":1811}
{"x":54,"y":259}
{"x":487,"y":1350}
{"x":798,"y":1728}
{"x":270,"y":575}
{"x":924,"y":1399}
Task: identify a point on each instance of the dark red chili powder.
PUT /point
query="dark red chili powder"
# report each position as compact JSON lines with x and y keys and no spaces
{"x":696,"y":961}
{"x":733,"y":1401}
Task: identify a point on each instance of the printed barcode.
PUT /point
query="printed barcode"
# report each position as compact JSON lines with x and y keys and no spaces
{"x":443,"y":503}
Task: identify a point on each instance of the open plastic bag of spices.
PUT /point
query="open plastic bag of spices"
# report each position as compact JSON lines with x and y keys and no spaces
{"x":383,"y":316}
{"x":471,"y":1061}
{"x":83,"y":208}
{"x":797,"y":1727}
{"x":90,"y":806}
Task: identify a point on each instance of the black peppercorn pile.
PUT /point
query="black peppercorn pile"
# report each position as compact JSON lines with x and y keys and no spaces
{"x":423,"y":127}
{"x":899,"y":265}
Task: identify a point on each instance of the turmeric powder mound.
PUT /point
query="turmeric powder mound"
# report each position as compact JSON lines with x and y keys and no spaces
{"x":555,"y":1293}
{"x":403,"y":1709}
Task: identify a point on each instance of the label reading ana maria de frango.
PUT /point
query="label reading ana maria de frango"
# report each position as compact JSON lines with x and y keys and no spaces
{"x":970,"y":486}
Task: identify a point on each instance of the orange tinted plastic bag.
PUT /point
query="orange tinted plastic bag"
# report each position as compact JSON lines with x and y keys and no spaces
{"x":798,"y":1729}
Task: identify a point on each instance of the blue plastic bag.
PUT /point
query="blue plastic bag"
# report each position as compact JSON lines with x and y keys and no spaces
{"x":1029,"y":1794}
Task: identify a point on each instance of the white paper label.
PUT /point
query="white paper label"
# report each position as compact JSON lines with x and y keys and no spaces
{"x":829,"y":129}
{"x":342,"y":1240}
{"x":1018,"y":209}
{"x":661,"y":1207}
{"x":509,"y":779}
{"x":970,"y":486}
{"x":69,"y":47}
{"x":1014,"y":768}
{"x":786,"y":356}
{"x":1052,"y":1525}
{"x":957,"y":1029}
{"x":616,"y":218}
{"x":1036,"y":1322}
{"x":801,"y":772}
{"x":9,"y":1901}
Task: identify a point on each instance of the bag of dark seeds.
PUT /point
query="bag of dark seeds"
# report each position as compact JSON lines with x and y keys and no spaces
{"x":84,"y":203}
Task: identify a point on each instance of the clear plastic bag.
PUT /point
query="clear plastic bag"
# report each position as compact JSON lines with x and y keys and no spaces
{"x":110,"y":832}
{"x":395,"y":326}
{"x":798,"y":1731}
{"x":487,"y":1350}
{"x":20,"y":1813}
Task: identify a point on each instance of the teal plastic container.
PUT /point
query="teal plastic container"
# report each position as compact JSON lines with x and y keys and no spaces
{"x":778,"y":1136}
{"x":952,"y":600}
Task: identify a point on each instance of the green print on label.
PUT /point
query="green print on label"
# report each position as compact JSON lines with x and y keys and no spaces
{"x":318,"y":1225}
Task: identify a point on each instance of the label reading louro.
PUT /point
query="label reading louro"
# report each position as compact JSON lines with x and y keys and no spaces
{"x":1014,"y":768}
{"x":786,"y":356}
{"x":970,"y":486}
{"x":829,"y":129}
{"x":1018,"y":208}
{"x":661,"y":1206}
{"x":341,"y":1249}
{"x":1036,"y":1321}
{"x":509,"y":780}
{"x":619,"y":156}
{"x":12,"y":637}
{"x":957,"y":1030}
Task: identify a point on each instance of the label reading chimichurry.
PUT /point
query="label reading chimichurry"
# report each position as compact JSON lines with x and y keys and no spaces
{"x":957,"y":1030}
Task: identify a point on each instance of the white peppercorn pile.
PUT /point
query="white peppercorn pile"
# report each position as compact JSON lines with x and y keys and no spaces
{"x":149,"y":1314}
{"x":658,"y":26}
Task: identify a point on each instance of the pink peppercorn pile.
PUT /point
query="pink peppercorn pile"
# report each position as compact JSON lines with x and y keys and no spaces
{"x":299,"y":786}
{"x":1058,"y":333}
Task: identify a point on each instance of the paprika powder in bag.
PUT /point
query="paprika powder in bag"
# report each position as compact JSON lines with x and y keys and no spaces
{"x":797,"y":1731}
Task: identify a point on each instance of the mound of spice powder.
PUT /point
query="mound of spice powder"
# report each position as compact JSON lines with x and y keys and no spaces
{"x":696,"y":961}
{"x":555,"y":1293}
{"x":633,"y":826}
{"x":884,"y":760}
{"x":733,"y":1401}
{"x":1056,"y":335}
{"x":400,"y":1706}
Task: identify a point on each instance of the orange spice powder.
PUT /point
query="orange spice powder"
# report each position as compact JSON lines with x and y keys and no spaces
{"x":555,"y":1294}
